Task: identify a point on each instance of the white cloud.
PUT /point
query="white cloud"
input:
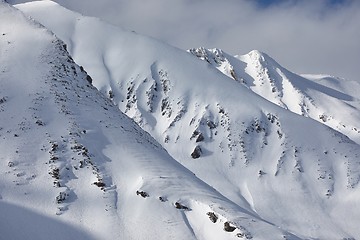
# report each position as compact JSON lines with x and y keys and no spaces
{"x":304,"y":36}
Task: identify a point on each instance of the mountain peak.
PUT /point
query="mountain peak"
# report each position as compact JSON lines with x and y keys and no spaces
{"x":257,"y":55}
{"x":261,"y":58}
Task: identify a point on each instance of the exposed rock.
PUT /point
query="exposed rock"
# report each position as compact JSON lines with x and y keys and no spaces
{"x":142,"y":193}
{"x":2,"y":100}
{"x":228,"y":227}
{"x":212,"y":216}
{"x":196,"y":153}
{"x":111,"y":94}
{"x":211,"y":124}
{"x":100,"y":184}
{"x":200,"y":138}
{"x":39,"y":122}
{"x":89,"y":79}
{"x":55,"y":173}
{"x":180,"y":206}
{"x":54,"y":147}
{"x":62,"y":197}
{"x":163,"y":199}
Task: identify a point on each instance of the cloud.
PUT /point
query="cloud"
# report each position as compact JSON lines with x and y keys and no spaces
{"x":305,"y":36}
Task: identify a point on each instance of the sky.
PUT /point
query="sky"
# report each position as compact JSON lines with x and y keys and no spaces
{"x":267,"y":3}
{"x":305,"y":36}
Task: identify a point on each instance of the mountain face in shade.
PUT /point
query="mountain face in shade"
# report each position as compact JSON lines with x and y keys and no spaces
{"x":146,"y":141}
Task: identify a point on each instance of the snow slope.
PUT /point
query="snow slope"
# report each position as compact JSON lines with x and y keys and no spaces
{"x":73,"y":166}
{"x":288,"y":170}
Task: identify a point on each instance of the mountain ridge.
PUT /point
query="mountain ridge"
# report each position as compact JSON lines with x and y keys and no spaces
{"x":297,"y":93}
{"x":71,"y":155}
{"x":235,"y":148}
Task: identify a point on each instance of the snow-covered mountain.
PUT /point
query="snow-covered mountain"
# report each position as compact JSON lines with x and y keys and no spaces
{"x":240,"y":165}
{"x":329,"y":100}
{"x":74,"y":166}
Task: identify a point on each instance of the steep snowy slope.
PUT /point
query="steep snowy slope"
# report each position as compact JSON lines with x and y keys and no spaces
{"x":72,"y":166}
{"x":329,"y":100}
{"x":291,"y":171}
